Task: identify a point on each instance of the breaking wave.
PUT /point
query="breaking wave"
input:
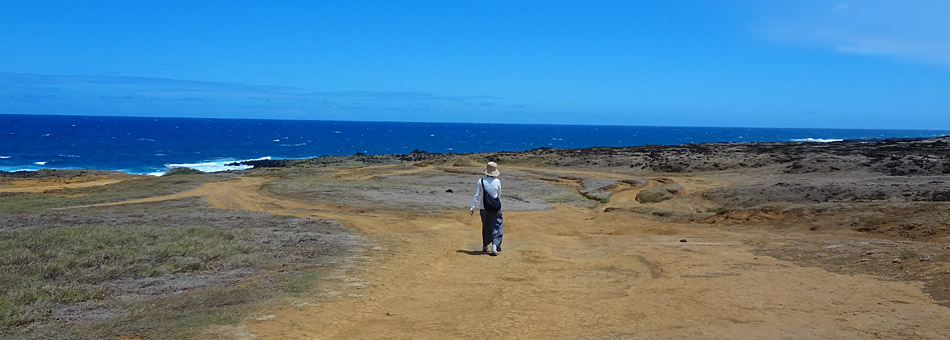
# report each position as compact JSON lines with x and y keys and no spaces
{"x":212,"y":165}
{"x":816,"y":140}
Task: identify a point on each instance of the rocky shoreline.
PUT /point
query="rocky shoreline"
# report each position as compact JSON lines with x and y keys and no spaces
{"x":892,"y":157}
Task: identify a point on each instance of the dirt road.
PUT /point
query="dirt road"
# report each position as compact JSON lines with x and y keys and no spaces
{"x":573,"y":273}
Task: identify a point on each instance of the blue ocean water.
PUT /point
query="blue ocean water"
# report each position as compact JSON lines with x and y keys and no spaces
{"x":154,"y":145}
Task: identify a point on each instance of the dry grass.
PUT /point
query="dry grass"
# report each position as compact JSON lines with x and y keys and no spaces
{"x":160,"y":270}
{"x":44,"y":268}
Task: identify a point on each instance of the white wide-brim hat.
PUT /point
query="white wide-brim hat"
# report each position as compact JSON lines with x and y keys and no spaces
{"x":492,"y":169}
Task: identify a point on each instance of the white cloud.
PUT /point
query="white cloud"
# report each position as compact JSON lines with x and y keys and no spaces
{"x":840,"y":7}
{"x":916,"y":31}
{"x":37,"y":93}
{"x":935,"y":52}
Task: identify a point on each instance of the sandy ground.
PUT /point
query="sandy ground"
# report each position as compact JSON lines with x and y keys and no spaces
{"x":577,"y":273}
{"x":53,"y":184}
{"x":567,"y":273}
{"x":572,"y":273}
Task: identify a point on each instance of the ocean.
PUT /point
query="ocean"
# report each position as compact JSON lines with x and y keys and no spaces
{"x":141,"y":145}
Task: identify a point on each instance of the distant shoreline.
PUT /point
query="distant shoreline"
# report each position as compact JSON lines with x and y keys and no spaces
{"x":723,"y":153}
{"x":155,"y":145}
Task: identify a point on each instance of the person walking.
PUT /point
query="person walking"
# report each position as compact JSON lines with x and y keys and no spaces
{"x":489,"y":189}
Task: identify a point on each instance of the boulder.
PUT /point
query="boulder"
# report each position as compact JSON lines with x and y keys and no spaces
{"x":659,"y":193}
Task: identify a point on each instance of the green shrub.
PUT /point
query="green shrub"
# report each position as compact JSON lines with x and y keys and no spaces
{"x":182,"y":171}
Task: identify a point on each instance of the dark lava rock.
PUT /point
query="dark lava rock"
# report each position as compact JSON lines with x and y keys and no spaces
{"x":263,"y":163}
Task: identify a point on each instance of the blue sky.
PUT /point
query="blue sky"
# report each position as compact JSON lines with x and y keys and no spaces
{"x":840,"y":64}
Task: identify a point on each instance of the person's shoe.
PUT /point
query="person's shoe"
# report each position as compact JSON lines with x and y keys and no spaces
{"x":494,"y":251}
{"x":498,"y":249}
{"x":485,"y":249}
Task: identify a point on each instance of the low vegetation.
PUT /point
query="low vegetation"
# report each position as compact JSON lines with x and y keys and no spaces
{"x":44,"y":268}
{"x":182,"y":171}
{"x":162,"y":270}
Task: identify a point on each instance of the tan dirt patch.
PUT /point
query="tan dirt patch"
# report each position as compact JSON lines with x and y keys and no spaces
{"x":574,"y":273}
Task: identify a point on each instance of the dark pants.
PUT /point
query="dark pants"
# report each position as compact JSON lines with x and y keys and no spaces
{"x":491,"y":228}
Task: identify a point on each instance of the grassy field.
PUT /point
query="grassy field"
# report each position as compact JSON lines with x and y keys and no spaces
{"x":160,"y":270}
{"x":48,"y":267}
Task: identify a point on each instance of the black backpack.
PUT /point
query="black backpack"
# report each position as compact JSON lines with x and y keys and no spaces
{"x":492,"y":204}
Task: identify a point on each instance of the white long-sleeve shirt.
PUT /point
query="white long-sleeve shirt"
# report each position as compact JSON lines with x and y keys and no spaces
{"x":492,"y":187}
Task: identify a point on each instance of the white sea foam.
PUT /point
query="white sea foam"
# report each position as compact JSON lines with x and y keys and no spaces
{"x":16,"y":169}
{"x":4,"y":157}
{"x":40,"y":163}
{"x":817,"y":140}
{"x":212,"y":165}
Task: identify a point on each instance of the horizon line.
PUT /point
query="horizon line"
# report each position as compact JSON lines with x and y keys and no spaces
{"x":494,"y":123}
